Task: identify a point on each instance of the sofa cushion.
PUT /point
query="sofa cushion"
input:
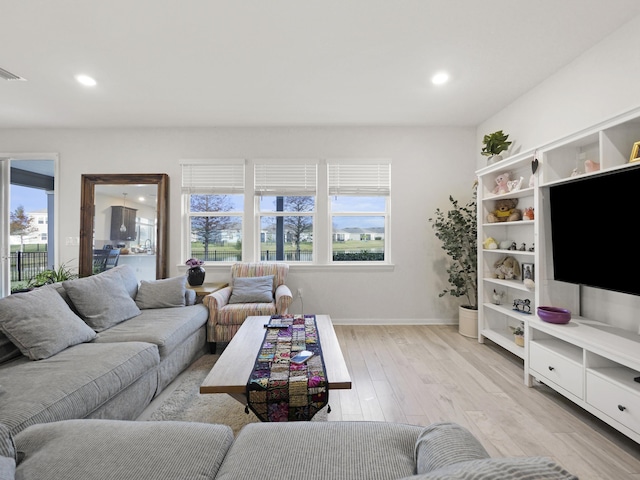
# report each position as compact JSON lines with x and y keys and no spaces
{"x":7,"y":445}
{"x":169,"y":292}
{"x":109,"y":449}
{"x":367,"y":450}
{"x":165,"y":327}
{"x":252,"y":290}
{"x":8,"y":349}
{"x":513,"y":468}
{"x":72,"y":383}
{"x":101,"y":300}
{"x":443,"y":444}
{"x":41,"y":324}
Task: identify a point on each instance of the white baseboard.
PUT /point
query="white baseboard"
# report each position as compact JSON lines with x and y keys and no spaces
{"x":393,"y":321}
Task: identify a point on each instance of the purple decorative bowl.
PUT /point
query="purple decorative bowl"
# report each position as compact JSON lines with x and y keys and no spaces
{"x":554,"y":314}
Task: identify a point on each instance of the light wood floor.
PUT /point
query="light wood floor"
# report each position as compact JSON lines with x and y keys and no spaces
{"x":426,"y":374}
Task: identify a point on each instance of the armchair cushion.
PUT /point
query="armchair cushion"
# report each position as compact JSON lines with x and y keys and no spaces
{"x":252,"y":290}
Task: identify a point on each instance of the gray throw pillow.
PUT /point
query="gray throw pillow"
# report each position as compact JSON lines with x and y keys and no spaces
{"x":252,"y":290}
{"x":41,"y":324}
{"x":101,"y":300}
{"x":446,"y":443}
{"x":169,"y":292}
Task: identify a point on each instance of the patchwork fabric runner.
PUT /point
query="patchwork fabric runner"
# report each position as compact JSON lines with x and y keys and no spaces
{"x":278,"y":390}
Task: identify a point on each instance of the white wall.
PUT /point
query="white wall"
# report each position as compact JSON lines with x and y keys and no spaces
{"x":599,"y":85}
{"x":428,"y":165}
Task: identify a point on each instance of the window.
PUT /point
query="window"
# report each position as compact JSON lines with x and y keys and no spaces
{"x":296,"y":211}
{"x":214,"y":202}
{"x":359,"y":204}
{"x":285,"y":202}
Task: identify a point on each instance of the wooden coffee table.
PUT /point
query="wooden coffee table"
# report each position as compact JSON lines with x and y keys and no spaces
{"x":231,"y":372}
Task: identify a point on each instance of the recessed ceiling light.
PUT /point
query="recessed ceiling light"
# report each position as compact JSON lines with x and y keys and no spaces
{"x":440,"y":78}
{"x":86,"y":80}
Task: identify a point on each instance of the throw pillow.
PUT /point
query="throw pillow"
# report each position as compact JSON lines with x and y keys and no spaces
{"x":252,"y":290}
{"x":101,"y":300}
{"x":169,"y":292}
{"x":41,"y":324}
{"x":446,"y":443}
{"x":513,"y":468}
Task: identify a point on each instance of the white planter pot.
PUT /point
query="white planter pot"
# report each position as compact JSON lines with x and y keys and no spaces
{"x":494,"y":159}
{"x":468,"y":322}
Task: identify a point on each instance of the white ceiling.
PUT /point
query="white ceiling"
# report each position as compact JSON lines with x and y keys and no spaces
{"x":286,"y":62}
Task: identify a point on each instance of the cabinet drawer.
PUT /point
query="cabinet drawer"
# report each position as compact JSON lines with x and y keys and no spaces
{"x":556,"y":368}
{"x":608,"y":396}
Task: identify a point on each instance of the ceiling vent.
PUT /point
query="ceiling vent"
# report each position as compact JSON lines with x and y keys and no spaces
{"x":10,"y":76}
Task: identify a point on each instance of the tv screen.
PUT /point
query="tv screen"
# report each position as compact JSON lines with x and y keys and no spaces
{"x":593,"y":231}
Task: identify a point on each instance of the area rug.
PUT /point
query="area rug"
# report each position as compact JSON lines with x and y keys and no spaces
{"x":185,"y":403}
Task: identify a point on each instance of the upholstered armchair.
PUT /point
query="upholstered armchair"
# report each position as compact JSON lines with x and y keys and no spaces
{"x":252,"y":296}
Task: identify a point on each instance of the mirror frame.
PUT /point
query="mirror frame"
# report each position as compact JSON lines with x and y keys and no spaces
{"x":87,"y":214}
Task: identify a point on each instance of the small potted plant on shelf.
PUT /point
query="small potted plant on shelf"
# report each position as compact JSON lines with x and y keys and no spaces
{"x":457,"y":229}
{"x":494,"y":144}
{"x":518,"y":334}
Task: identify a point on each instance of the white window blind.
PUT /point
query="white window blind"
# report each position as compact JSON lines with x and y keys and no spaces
{"x":285,"y":179}
{"x":213,"y":177}
{"x":366,"y":177}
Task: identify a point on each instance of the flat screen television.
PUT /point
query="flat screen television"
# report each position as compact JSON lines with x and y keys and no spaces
{"x":593,"y":230}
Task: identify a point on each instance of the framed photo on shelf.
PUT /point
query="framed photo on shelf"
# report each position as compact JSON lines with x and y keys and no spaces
{"x":527,"y":271}
{"x":635,"y":153}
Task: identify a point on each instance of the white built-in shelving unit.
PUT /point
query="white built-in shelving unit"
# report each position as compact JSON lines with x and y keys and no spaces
{"x":588,"y":361}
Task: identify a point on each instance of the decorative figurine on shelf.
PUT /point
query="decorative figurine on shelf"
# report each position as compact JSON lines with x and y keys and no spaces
{"x":523,"y":248}
{"x":507,"y":268}
{"x":522,"y":306}
{"x":505,"y":211}
{"x":502,"y":183}
{"x":506,"y":244}
{"x":514,"y":185}
{"x":591,"y":166}
{"x":528,"y":214}
{"x":490,"y":244}
{"x":532,"y":249}
{"x":498,"y":296}
{"x":512,"y":246}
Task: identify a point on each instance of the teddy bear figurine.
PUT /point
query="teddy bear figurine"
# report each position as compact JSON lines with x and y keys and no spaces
{"x":507,"y":268}
{"x":502,"y":183}
{"x":505,"y":211}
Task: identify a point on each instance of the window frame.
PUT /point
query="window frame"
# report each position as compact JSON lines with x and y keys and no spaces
{"x":321,"y":216}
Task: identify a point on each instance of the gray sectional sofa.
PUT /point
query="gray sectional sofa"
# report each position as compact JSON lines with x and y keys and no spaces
{"x":98,"y":347}
{"x":109,"y":450}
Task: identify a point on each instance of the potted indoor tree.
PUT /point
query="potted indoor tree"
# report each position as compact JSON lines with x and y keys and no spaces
{"x":457,"y":229}
{"x":494,"y":144}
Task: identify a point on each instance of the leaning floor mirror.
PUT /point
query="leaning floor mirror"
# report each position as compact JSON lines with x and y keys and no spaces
{"x":123,"y":220}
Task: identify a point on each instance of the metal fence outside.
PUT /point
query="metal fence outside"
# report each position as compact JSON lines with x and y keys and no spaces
{"x":290,"y":255}
{"x":26,"y":265}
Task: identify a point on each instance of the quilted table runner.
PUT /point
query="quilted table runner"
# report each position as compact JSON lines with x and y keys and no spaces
{"x":279,"y":390}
